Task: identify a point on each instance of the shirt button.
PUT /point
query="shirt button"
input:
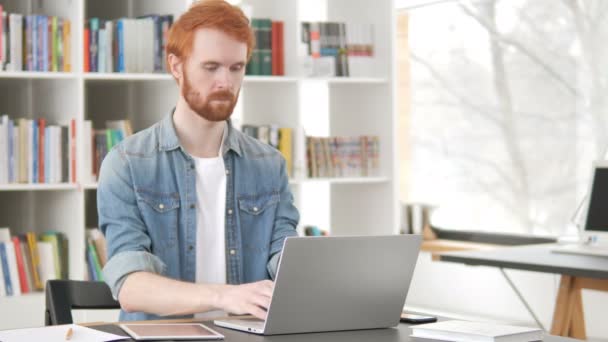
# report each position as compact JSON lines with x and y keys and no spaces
{"x":192,"y":206}
{"x":255,"y":209}
{"x":232,"y":252}
{"x":227,"y":171}
{"x":229,"y":211}
{"x":190,"y":247}
{"x":161,"y":206}
{"x":192,"y":166}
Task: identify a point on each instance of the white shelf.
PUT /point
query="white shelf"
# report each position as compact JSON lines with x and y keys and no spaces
{"x":37,"y":75}
{"x":117,"y":76}
{"x":346,"y":80}
{"x":342,"y":180}
{"x":94,"y":76}
{"x":89,"y":186}
{"x":38,"y":187}
{"x":269,"y":79}
{"x":335,"y":180}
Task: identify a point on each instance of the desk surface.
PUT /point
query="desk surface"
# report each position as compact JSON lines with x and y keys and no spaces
{"x":398,"y":334}
{"x":538,"y":258}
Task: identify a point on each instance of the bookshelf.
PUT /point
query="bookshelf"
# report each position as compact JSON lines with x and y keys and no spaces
{"x":337,"y":105}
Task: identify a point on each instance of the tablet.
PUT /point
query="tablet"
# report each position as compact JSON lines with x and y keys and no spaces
{"x":171,"y":331}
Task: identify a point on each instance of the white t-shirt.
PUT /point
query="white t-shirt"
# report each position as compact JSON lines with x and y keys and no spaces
{"x":210,"y":226}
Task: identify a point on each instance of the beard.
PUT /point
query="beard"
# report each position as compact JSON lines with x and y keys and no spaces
{"x":206,"y":109}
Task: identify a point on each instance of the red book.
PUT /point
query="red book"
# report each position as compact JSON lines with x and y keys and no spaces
{"x":41,"y":136}
{"x":73,"y":150}
{"x":281,"y":39}
{"x":20,"y":265}
{"x":1,"y":32}
{"x":274,"y":44}
{"x":86,"y":63}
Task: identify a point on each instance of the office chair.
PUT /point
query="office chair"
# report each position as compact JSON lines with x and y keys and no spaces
{"x":64,"y":295}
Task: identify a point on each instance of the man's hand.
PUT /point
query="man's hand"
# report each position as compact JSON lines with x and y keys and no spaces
{"x":253,"y":298}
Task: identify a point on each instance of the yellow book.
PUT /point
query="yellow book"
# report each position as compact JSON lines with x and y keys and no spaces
{"x":286,"y":147}
{"x":35,"y":258}
{"x":67,"y":51}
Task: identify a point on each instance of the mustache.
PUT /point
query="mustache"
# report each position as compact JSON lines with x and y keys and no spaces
{"x":221,"y":95}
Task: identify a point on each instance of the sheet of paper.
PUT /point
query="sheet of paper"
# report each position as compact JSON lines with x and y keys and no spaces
{"x":57,"y":333}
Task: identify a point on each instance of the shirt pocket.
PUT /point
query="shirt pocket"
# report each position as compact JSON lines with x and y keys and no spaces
{"x":257,"y":214}
{"x":160,"y":214}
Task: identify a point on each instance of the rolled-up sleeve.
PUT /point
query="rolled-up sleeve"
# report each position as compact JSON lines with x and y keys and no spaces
{"x":286,"y":221}
{"x":120,"y":220}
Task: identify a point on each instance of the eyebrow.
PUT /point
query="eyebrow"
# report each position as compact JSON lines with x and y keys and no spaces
{"x":214,"y":63}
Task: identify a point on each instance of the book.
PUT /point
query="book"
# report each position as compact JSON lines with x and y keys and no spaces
{"x":21,"y":265}
{"x":47,"y":264}
{"x":5,"y":270}
{"x":2,"y":282}
{"x":35,"y":259}
{"x":455,"y":330}
{"x":12,"y":266}
{"x":94,"y":259}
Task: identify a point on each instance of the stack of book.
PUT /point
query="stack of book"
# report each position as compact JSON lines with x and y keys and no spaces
{"x":343,"y":156}
{"x":32,"y":151}
{"x":96,"y":254}
{"x":98,"y":142}
{"x":28,"y":260}
{"x":34,"y":42}
{"x":338,"y":49}
{"x":268,"y":56}
{"x":289,"y":141}
{"x":127,"y":45}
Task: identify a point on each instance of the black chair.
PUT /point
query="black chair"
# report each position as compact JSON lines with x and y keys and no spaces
{"x":64,"y":295}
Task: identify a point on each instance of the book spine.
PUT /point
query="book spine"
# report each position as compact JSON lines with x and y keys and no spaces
{"x":54,"y":44}
{"x":35,"y":259}
{"x":11,"y":152}
{"x":73,"y":150}
{"x":41,"y":149}
{"x":120,"y":32}
{"x":266,"y":47}
{"x":43,"y":41}
{"x":6,"y":270}
{"x":95,"y":259}
{"x":20,"y":265}
{"x":67,"y":46}
{"x":87,"y":50}
{"x":12,"y":264}
{"x":3,"y":20}
{"x":94,"y":43}
{"x":35,"y":147}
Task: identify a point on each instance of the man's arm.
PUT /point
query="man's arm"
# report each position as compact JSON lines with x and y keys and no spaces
{"x":135,"y":275}
{"x":285,"y":223}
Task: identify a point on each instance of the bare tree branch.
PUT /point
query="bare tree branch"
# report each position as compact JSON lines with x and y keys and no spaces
{"x":446,"y":86}
{"x":520,"y":47}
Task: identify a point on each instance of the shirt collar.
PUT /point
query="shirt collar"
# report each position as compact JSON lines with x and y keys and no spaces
{"x":168,"y":139}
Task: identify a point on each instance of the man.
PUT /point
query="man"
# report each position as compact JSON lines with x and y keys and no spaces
{"x":194,"y":212}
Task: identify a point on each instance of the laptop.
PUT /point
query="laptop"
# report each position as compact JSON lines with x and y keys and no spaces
{"x":594,"y":234}
{"x":337,"y":283}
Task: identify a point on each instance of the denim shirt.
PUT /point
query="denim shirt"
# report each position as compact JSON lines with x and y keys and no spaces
{"x":147,"y":208}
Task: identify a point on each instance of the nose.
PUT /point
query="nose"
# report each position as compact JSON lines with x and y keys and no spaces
{"x":223,"y":80}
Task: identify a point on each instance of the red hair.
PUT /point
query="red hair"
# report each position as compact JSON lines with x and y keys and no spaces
{"x":215,"y":14}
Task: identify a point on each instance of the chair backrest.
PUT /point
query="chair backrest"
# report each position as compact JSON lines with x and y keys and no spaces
{"x":64,"y":295}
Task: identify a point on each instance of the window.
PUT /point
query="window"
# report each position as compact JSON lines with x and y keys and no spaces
{"x":509,"y":107}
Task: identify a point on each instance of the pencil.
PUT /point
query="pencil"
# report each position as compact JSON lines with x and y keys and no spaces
{"x":68,"y":335}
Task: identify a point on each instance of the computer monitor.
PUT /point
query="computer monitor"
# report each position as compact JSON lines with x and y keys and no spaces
{"x":595,"y":229}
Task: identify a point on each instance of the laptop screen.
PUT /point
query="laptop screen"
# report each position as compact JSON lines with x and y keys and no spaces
{"x":597,"y":215}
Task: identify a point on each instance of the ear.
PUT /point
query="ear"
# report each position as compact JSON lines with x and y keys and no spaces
{"x":176,"y":67}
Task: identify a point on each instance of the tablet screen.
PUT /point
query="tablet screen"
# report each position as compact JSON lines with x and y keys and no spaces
{"x":171,"y":331}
